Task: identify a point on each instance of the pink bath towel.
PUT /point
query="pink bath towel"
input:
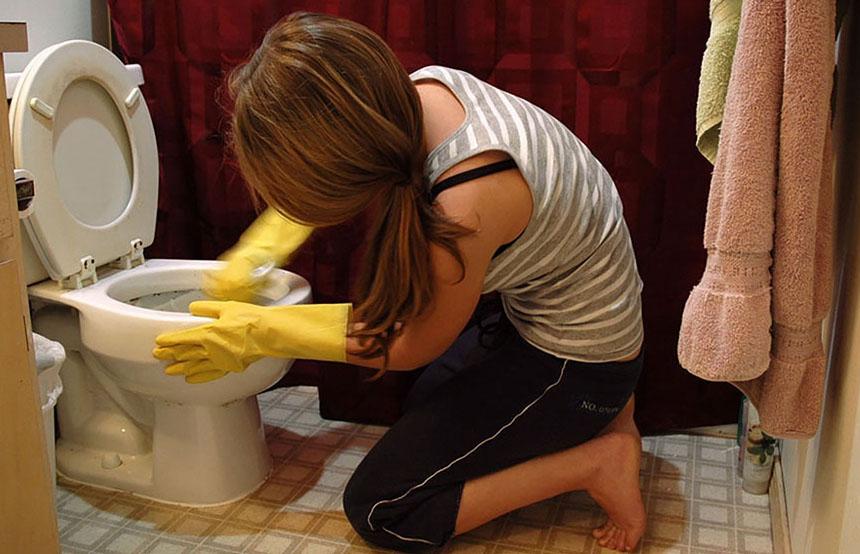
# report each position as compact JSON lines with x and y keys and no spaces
{"x":755,"y":317}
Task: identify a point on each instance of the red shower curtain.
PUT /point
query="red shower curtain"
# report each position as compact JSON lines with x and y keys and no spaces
{"x":621,"y":74}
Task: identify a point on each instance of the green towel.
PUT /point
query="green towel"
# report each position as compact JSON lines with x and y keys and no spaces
{"x":716,"y":70}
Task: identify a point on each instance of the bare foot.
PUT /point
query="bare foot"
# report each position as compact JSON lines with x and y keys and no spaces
{"x":616,"y":489}
{"x":609,"y":535}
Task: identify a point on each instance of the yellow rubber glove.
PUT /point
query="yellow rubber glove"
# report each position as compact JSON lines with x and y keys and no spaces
{"x":243,"y":333}
{"x":267,"y":243}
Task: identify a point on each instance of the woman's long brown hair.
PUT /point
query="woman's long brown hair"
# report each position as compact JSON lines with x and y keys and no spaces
{"x":326,"y":122}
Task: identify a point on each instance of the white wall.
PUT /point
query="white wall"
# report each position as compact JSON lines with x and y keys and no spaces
{"x":822,"y":475}
{"x":53,"y":21}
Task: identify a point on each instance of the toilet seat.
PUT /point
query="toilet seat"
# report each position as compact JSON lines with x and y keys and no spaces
{"x":81,"y":126}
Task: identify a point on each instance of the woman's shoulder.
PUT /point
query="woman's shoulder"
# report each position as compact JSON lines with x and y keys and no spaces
{"x":442,"y":111}
{"x":437,"y":71}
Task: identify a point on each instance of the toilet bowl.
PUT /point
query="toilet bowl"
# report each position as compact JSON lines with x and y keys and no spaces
{"x":126,"y":425}
{"x":82,"y":132}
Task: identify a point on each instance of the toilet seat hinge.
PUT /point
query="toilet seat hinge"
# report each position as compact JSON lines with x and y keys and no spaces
{"x":86,"y":273}
{"x":133,"y":258}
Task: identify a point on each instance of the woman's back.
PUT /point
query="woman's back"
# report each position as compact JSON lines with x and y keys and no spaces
{"x":569,"y":282}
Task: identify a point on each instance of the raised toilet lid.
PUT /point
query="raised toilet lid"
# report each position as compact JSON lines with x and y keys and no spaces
{"x":81,"y":126}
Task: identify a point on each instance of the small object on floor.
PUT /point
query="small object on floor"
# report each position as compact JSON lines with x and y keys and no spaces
{"x":758,"y":461}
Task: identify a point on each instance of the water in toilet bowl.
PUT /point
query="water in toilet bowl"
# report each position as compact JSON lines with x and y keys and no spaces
{"x":170,"y":301}
{"x":179,"y":300}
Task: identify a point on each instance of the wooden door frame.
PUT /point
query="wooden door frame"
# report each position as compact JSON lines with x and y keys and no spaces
{"x":28,"y":520}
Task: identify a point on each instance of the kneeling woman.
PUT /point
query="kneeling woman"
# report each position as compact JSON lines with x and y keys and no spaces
{"x":469,"y":190}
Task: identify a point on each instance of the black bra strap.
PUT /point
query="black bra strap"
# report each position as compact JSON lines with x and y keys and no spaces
{"x":482,"y":171}
{"x":471,"y":174}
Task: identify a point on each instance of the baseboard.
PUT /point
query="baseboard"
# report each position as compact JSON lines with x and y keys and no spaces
{"x":729,"y":431}
{"x":778,"y":511}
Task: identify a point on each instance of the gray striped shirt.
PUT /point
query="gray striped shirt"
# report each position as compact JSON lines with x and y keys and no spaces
{"x":569,"y":283}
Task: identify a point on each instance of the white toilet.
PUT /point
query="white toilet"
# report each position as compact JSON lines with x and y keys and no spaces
{"x":82,"y":129}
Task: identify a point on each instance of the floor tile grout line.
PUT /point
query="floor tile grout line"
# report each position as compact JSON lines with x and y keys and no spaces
{"x":734,"y":492}
{"x":101,"y":542}
{"x":653,"y":469}
{"x":693,"y":477}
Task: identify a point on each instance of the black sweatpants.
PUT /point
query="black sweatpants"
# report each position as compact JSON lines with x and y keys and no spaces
{"x":476,"y":410}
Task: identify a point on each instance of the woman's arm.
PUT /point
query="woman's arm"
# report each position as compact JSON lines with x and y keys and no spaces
{"x":498,"y":208}
{"x":425,"y":338}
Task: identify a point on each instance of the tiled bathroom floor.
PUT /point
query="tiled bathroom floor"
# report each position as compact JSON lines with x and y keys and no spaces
{"x":689,"y":483}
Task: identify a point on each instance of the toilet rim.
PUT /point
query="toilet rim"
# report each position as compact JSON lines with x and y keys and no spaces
{"x":98,"y":297}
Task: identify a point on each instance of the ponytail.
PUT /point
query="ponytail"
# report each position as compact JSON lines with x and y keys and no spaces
{"x":396,"y":280}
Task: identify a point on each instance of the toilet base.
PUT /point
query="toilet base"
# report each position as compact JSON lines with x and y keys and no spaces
{"x":201,"y":456}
